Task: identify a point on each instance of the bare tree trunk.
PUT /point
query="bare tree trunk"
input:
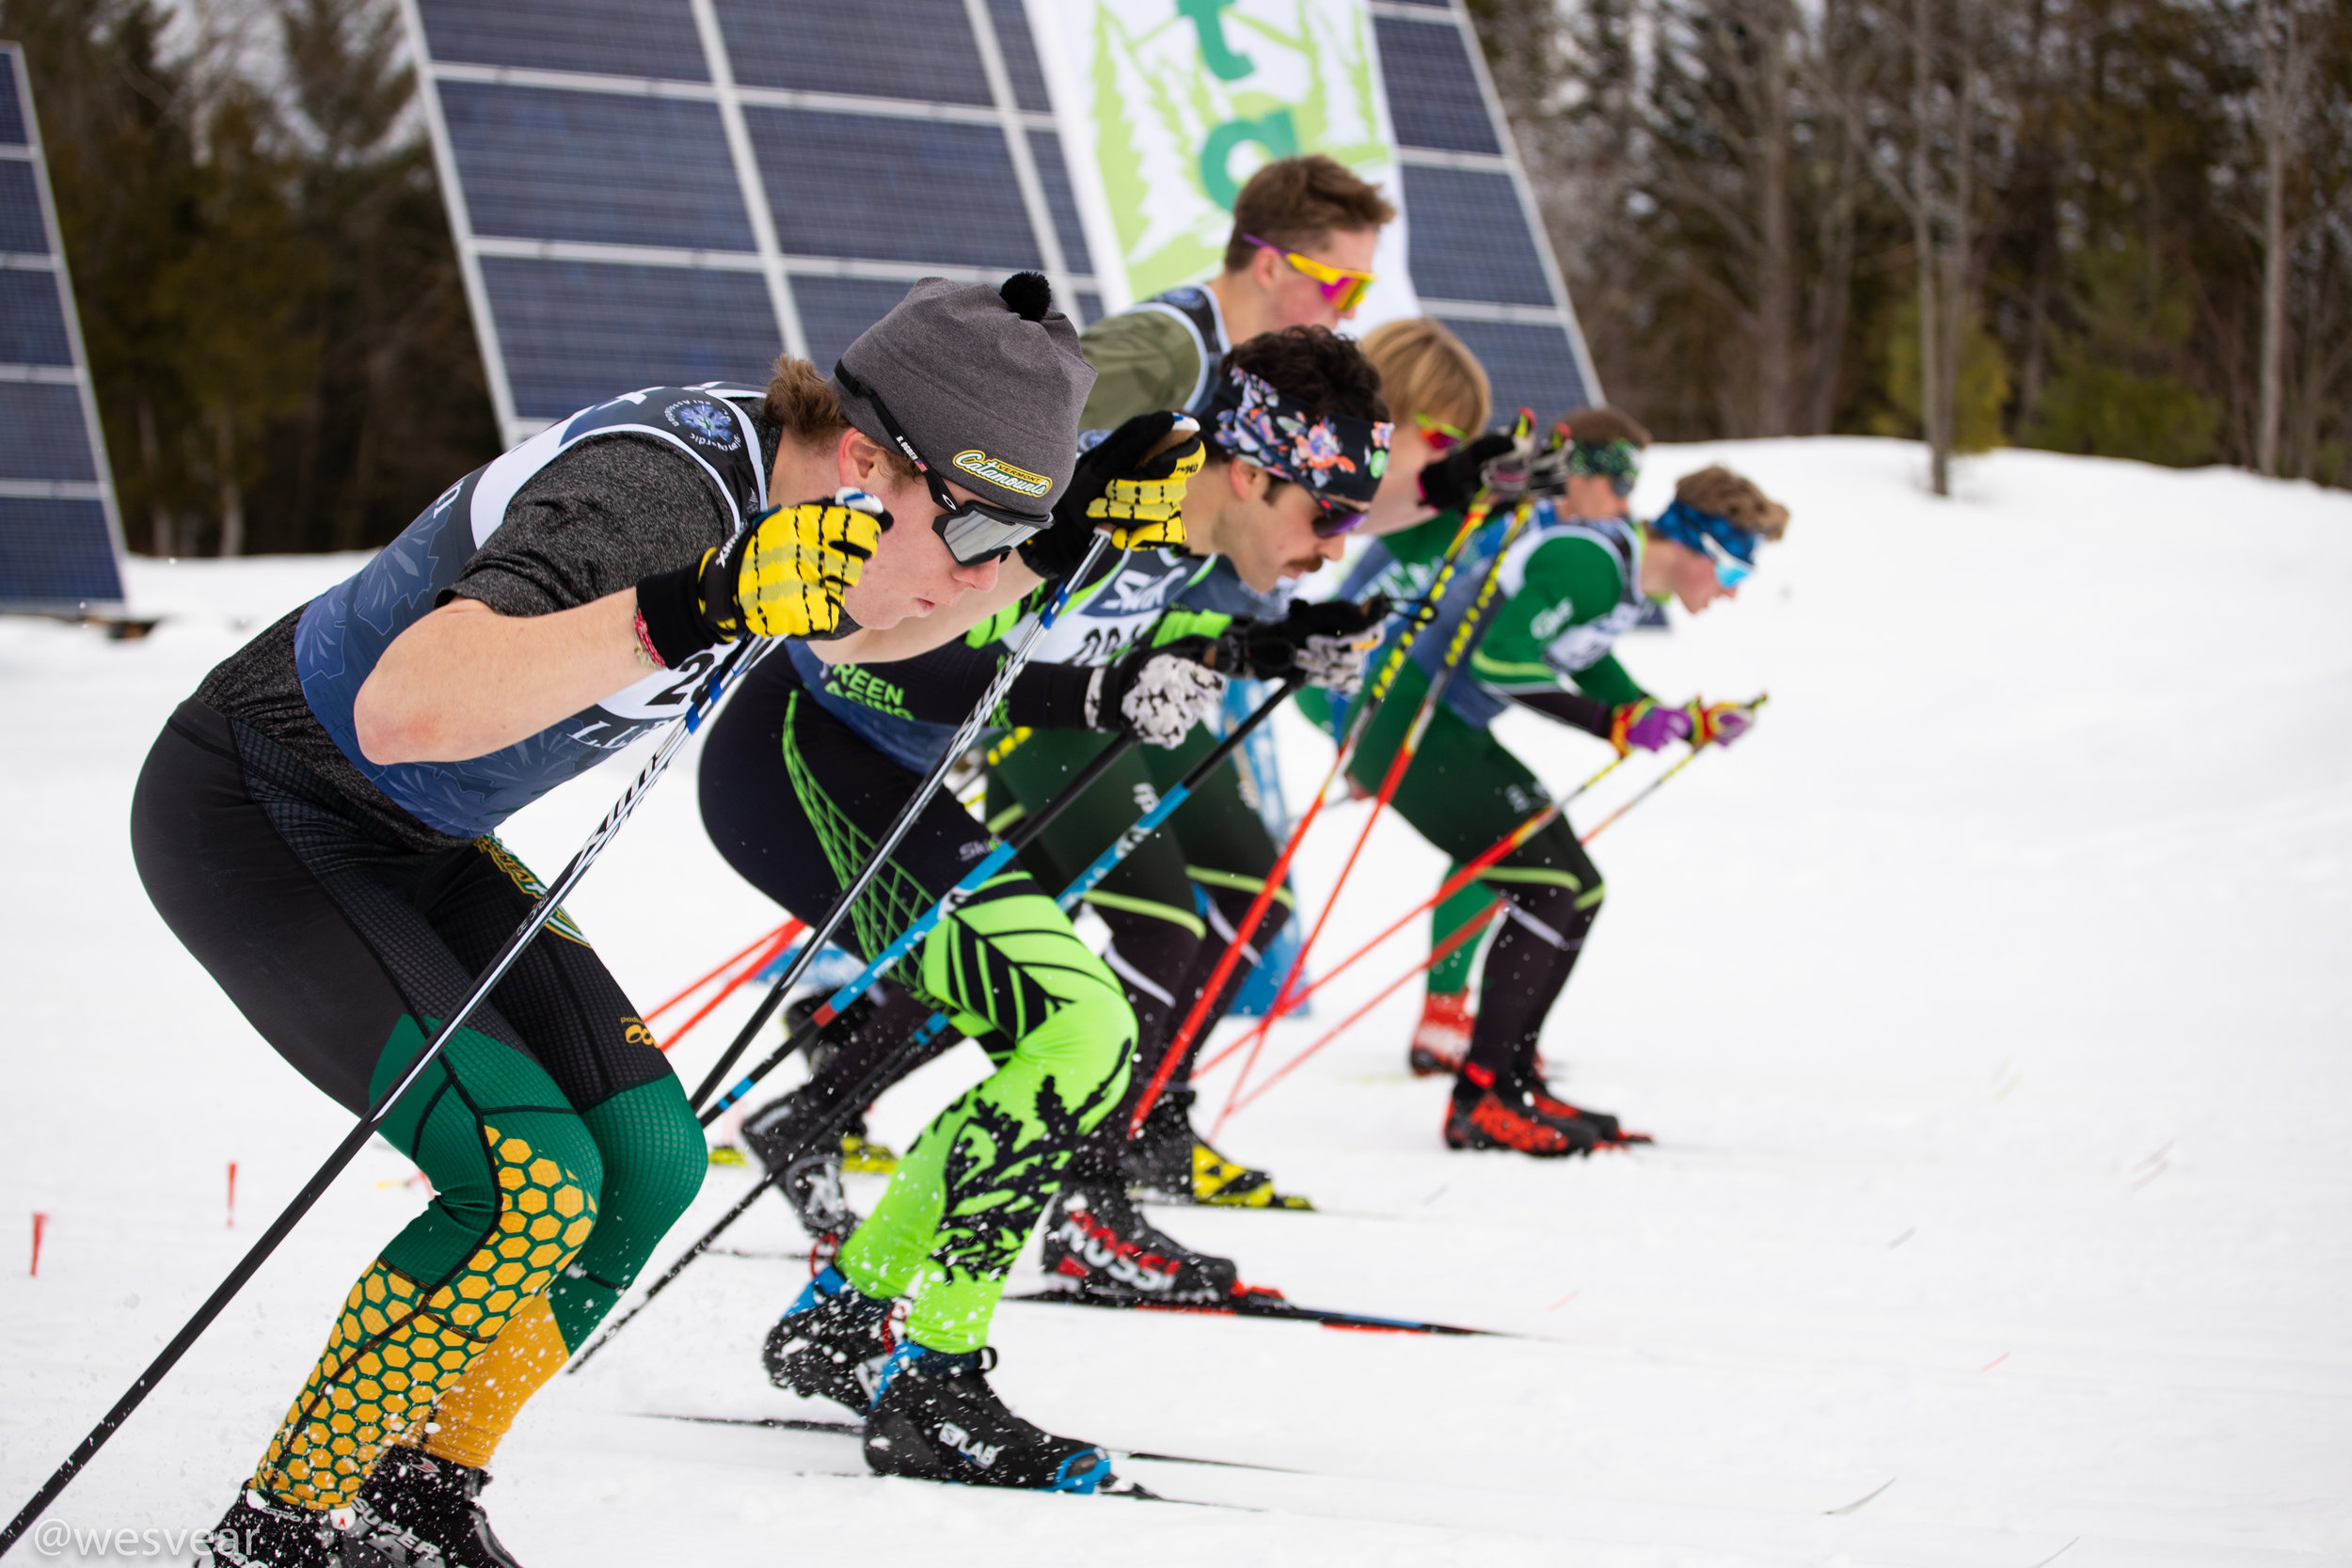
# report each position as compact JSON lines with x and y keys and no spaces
{"x":1776,"y":261}
{"x":2280,"y":94}
{"x":151,"y":459}
{"x":1923,"y":239}
{"x":231,"y":493}
{"x":1953,"y":284}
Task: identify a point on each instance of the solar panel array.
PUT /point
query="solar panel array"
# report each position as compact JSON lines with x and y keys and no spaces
{"x":669,"y":190}
{"x":60,"y":537}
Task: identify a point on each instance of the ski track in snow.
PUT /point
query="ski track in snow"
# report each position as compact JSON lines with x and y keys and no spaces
{"x":1987,"y":1003}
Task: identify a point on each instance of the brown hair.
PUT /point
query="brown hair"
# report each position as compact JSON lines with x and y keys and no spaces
{"x":1296,"y":202}
{"x":1425,"y":369}
{"x":1601,"y":425}
{"x":801,"y":402}
{"x":1734,"y":497}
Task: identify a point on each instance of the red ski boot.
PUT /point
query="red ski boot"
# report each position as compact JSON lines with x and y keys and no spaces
{"x":1442,"y":1037}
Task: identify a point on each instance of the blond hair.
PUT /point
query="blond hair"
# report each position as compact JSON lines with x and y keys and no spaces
{"x":1734,"y":497}
{"x":1425,"y":369}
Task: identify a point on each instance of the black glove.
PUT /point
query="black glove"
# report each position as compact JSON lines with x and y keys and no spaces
{"x":1451,"y":483}
{"x":1119,"y":482}
{"x":1313,"y":640}
{"x":1156,"y":694}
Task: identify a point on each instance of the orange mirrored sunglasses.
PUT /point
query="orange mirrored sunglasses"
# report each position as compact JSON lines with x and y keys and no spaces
{"x":1343,"y":287}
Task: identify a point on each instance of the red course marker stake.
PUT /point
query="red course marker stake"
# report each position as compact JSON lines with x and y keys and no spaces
{"x":232,"y":1195}
{"x":41,"y":1223}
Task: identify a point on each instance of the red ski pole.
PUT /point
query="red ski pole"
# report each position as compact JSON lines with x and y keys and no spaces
{"x":776,"y":948}
{"x":1501,"y":849}
{"x":1456,"y":650}
{"x":783,"y":930}
{"x":1469,"y":932}
{"x":1235,"y":1101}
{"x":1374,"y":691}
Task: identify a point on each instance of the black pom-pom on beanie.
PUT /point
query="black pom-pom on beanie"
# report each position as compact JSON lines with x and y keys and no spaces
{"x":1028,"y":294}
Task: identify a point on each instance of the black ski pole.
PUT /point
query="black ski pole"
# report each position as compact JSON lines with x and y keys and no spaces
{"x":874,"y":1082}
{"x":988,"y":867}
{"x":821,"y":933}
{"x":707,"y":699}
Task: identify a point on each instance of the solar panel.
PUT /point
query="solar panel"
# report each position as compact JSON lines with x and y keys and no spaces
{"x":668,"y":190}
{"x":662,"y":190}
{"x":1480,"y":261}
{"x":60,"y":534}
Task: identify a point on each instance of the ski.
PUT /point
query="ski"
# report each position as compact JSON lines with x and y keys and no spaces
{"x":1120,"y":1486}
{"x":1265,"y":1304}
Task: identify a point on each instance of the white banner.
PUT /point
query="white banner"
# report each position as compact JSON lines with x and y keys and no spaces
{"x":1165,"y":107}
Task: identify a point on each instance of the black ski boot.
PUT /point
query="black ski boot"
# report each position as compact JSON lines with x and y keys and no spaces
{"x":1098,"y":1243}
{"x":806,"y":1167}
{"x":935,"y":1417}
{"x":258,"y":1533}
{"x":419,"y":1511}
{"x":831,"y":1343}
{"x":1167,"y":1159}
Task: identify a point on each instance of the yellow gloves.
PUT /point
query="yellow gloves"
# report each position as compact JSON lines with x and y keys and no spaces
{"x":785,"y":575}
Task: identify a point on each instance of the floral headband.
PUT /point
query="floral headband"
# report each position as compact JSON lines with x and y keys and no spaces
{"x":1338,"y":458}
{"x":1620,"y":462}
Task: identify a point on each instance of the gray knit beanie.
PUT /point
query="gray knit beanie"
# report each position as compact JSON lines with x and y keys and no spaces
{"x":986,"y":383}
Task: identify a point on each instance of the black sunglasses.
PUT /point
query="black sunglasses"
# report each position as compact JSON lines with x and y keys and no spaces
{"x":974,"y":532}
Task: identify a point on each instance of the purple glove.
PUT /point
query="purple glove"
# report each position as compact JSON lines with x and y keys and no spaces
{"x":1717,"y":723}
{"x":1648,"y":725}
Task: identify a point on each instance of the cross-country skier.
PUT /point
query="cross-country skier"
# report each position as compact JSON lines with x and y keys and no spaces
{"x":317,"y":825}
{"x":1571,"y":583}
{"x":1304,"y":232}
{"x":815,"y":756}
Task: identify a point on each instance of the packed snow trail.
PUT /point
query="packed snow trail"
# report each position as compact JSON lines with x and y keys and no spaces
{"x":1986,"y":1001}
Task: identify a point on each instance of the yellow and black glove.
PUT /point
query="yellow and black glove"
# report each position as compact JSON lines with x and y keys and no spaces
{"x":784,"y":575}
{"x":1133,"y":481}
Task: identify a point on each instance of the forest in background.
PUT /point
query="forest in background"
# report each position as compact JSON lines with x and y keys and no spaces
{"x":2109,"y":227}
{"x":2112,"y":227}
{"x":268,"y":285}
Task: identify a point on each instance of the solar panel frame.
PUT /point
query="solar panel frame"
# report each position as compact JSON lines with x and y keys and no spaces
{"x":68,"y":529}
{"x":1483,"y":313}
{"x":1007,"y":65}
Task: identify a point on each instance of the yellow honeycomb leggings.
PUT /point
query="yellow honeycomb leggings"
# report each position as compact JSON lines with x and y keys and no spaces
{"x":516,"y":1174}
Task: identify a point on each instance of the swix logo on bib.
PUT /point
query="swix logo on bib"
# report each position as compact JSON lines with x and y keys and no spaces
{"x":1103,"y":620}
{"x":705,"y":422}
{"x":345,"y":631}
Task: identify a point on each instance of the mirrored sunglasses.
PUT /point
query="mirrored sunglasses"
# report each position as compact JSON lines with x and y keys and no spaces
{"x":1440,"y":437}
{"x":1343,"y":287}
{"x":975,"y":532}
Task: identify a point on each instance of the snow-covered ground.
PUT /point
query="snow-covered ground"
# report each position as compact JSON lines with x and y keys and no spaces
{"x":1989,"y":1004}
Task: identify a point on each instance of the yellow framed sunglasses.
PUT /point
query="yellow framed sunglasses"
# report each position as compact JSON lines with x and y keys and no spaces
{"x":1343,"y":287}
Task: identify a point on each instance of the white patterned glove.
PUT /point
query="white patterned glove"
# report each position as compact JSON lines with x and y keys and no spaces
{"x":1156,"y":694}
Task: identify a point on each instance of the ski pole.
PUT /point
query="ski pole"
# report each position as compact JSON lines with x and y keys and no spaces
{"x":1376,"y":692}
{"x":707,"y":698}
{"x":1659,"y":783}
{"x":982,"y":871}
{"x":1468,"y":932}
{"x":1462,"y":877}
{"x":961,"y":742}
{"x":1458,"y":649}
{"x":768,"y":940}
{"x":776,"y":945}
{"x":874,"y":1082}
